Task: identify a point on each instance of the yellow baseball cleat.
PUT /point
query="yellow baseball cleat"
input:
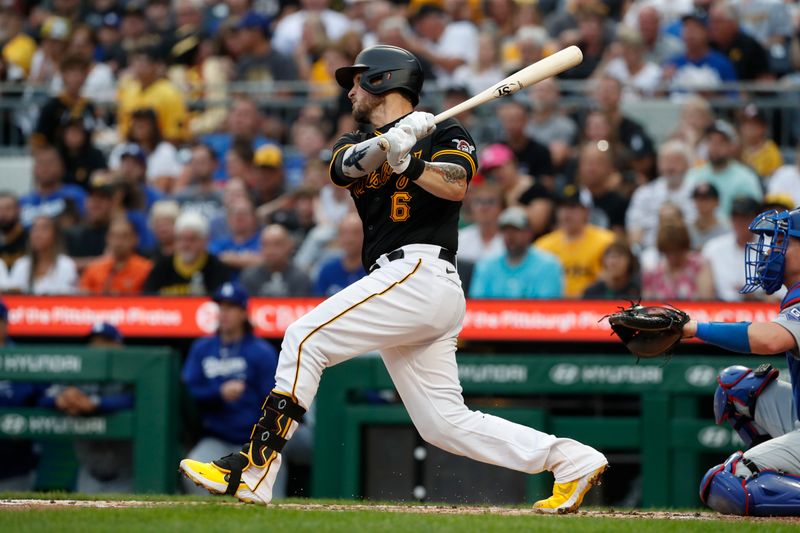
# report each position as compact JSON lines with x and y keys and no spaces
{"x":567,"y":497}
{"x":215,"y":480}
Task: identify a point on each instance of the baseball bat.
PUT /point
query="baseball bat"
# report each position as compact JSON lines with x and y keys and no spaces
{"x":541,"y":70}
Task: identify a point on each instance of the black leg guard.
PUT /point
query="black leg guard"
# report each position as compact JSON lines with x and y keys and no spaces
{"x":268,"y":435}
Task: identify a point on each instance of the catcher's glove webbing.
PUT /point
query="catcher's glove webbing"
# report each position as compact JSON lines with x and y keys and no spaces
{"x":649,"y":331}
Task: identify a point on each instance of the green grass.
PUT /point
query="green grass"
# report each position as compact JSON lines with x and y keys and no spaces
{"x":224,"y":515}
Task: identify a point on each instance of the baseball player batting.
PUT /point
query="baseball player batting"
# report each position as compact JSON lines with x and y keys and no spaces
{"x":410,"y":307}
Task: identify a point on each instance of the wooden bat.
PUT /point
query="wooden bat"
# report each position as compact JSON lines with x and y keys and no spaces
{"x":541,"y":70}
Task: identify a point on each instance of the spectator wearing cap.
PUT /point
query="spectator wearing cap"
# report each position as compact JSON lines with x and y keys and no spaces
{"x":680,"y":273}
{"x":532,"y":157}
{"x":578,"y":245}
{"x":202,"y":195}
{"x":191,"y":270}
{"x":749,"y":58}
{"x":104,"y":465}
{"x":674,"y":160}
{"x":132,"y":172}
{"x":44,"y":269}
{"x":730,"y":177}
{"x":619,"y":279}
{"x":18,"y":457}
{"x":121,"y":271}
{"x":290,"y":28}
{"x":699,"y":66}
{"x":521,"y":271}
{"x":163,"y":165}
{"x":759,"y":151}
{"x":68,"y":104}
{"x":13,"y":235}
{"x":50,"y":196}
{"x":266,"y":181}
{"x":276,"y":274}
{"x":708,"y":223}
{"x":639,"y":76}
{"x":548,"y":124}
{"x":228,"y":374}
{"x":499,"y":166}
{"x":148,"y":89}
{"x":345,"y":268}
{"x":786,"y":181}
{"x":54,"y":34}
{"x":243,"y":123}
{"x":240,"y":250}
{"x":87,"y":241}
{"x":258,"y":60}
{"x":725,"y":253}
{"x":482,"y":238}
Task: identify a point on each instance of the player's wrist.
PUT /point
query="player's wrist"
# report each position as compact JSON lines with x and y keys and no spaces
{"x":414,"y":168}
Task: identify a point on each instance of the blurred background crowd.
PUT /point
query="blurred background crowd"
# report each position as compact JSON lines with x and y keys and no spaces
{"x":180,"y":144}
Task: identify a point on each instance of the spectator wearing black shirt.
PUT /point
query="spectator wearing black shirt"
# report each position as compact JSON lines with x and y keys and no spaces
{"x":606,"y":97}
{"x":191,"y":270}
{"x":69,"y":104}
{"x":595,"y":173}
{"x":87,"y":241}
{"x":619,"y":279}
{"x":532,"y":157}
{"x":13,"y":235}
{"x":81,"y":158}
{"x":749,"y":58}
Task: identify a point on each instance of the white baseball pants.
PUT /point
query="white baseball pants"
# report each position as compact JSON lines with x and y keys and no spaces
{"x":411,"y":310}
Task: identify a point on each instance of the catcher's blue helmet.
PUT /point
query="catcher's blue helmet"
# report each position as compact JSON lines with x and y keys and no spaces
{"x":764,"y":259}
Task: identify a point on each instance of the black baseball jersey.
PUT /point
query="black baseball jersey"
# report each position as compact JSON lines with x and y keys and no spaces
{"x":394,"y":210}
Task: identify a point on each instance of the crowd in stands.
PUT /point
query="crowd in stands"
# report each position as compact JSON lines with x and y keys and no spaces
{"x":165,"y":163}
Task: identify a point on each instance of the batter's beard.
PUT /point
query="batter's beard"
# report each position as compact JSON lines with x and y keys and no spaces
{"x":362,"y":111}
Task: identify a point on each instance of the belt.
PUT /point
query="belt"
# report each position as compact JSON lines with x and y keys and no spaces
{"x":444,"y":253}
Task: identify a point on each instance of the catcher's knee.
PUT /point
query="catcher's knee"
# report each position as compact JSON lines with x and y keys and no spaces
{"x":736,"y":397}
{"x":750,"y":493}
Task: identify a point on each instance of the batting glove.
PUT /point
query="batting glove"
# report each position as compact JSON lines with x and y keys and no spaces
{"x":420,"y":123}
{"x":401,"y":140}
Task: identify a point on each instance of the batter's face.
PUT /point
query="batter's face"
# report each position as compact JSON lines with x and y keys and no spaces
{"x":363,"y":102}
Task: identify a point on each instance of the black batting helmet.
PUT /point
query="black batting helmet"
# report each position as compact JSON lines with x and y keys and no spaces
{"x":385,"y":68}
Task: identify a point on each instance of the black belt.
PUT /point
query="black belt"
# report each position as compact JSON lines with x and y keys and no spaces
{"x":444,"y":253}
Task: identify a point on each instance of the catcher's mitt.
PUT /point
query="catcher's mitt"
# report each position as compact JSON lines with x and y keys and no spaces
{"x":649,"y":331}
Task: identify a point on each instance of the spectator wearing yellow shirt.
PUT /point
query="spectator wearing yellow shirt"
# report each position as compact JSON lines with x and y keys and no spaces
{"x":149,"y":89}
{"x":758,"y":150}
{"x":577,"y":244}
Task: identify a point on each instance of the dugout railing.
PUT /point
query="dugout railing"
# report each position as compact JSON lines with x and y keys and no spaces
{"x":669,"y":433}
{"x":152,"y":424}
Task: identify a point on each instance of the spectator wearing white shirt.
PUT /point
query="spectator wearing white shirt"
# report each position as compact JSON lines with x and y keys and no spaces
{"x":786,"y":180}
{"x":639,"y":77}
{"x":725,"y":253}
{"x":44,"y":269}
{"x":674,"y":160}
{"x":290,"y":28}
{"x":484,"y":70}
{"x":482,"y":238}
{"x":447,"y":45}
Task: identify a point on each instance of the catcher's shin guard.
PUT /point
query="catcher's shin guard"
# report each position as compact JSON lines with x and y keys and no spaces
{"x":267,"y":438}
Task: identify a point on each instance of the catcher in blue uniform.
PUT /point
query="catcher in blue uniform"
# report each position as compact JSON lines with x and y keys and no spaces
{"x":764,"y":480}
